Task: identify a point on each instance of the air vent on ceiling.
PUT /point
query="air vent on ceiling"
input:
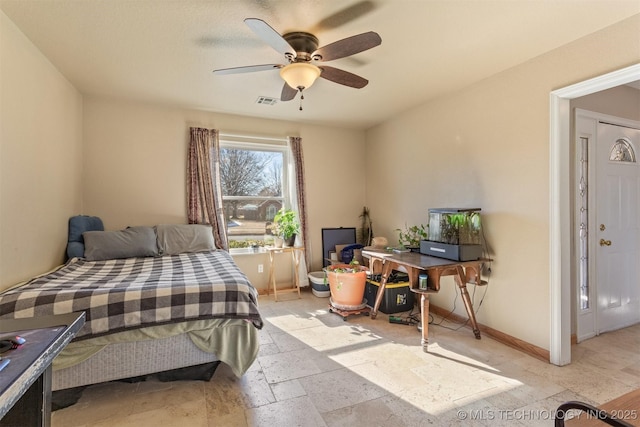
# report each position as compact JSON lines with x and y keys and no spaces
{"x":267,"y":100}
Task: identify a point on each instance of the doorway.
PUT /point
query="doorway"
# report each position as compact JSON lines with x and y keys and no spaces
{"x":560,"y":262}
{"x":607,"y":211}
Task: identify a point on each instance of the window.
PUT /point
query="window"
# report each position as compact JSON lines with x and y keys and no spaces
{"x":622,"y":151}
{"x":253,"y":177}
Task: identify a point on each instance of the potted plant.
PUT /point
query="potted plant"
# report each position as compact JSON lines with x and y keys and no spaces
{"x":286,"y":225}
{"x":410,"y":237}
{"x":347,"y":283}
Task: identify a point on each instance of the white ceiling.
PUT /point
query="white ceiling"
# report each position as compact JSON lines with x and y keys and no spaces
{"x":164,"y":51}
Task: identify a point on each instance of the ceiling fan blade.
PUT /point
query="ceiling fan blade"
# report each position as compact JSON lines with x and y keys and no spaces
{"x":343,"y":77}
{"x":349,"y":46}
{"x":288,"y":93}
{"x":344,"y":16}
{"x":247,"y":69}
{"x":270,"y":36}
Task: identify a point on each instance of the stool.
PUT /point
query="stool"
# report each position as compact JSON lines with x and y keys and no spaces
{"x":296,"y":254}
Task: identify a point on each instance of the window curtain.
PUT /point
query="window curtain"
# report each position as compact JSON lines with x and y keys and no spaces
{"x":204,"y":194}
{"x":298,"y":202}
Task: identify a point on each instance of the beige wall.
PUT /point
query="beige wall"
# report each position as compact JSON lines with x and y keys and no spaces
{"x":621,"y":101}
{"x":40,"y":158}
{"x":135,"y":168}
{"x":488,"y":146}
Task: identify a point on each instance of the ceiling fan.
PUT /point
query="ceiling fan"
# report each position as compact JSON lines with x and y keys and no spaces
{"x":301,"y":51}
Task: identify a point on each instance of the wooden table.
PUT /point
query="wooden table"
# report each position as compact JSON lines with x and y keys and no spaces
{"x":296,"y":253}
{"x":625,"y":408}
{"x":414,"y":263}
{"x":25,"y":383}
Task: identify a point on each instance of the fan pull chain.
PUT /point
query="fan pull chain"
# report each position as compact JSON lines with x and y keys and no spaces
{"x":300,"y":88}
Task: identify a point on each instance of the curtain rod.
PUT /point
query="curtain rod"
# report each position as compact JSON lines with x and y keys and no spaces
{"x":264,"y":138}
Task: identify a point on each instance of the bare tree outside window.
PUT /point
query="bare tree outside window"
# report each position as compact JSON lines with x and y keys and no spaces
{"x":242,"y":173}
{"x":252,"y":191}
{"x":274,"y":179}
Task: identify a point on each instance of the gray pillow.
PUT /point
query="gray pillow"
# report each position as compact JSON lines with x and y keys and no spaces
{"x":129,"y":243}
{"x":175,"y":239}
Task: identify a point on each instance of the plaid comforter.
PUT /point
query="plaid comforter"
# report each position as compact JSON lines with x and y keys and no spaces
{"x":132,"y":293}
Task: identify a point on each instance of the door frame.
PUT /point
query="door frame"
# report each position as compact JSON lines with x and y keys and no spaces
{"x":560,"y":262}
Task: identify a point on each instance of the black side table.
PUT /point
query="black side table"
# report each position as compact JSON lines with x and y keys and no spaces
{"x":25,"y":383}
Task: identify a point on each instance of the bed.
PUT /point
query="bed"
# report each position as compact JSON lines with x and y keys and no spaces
{"x":156,"y":299}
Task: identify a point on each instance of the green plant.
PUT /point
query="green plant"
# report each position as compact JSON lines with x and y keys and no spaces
{"x":453,"y":226}
{"x":285,"y":223}
{"x":411,"y":236}
{"x":234,"y":244}
{"x":461,"y":228}
{"x":353,"y":267}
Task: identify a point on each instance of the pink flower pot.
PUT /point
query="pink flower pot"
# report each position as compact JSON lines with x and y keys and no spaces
{"x":347,"y":289}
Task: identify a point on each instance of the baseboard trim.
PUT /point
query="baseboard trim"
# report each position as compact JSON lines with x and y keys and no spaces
{"x":501,"y":337}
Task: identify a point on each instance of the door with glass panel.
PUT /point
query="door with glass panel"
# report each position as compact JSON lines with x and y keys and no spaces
{"x":617,"y":223}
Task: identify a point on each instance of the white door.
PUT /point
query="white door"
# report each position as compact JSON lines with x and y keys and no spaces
{"x":617,"y":223}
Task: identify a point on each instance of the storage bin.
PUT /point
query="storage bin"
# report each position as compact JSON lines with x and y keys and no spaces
{"x":319,"y":284}
{"x":397,"y":296}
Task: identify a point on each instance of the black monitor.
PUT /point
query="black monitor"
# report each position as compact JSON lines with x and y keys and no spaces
{"x":335,"y":236}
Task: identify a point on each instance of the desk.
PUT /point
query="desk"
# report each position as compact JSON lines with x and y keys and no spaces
{"x":413,"y":263}
{"x":25,"y":383}
{"x":296,"y":253}
{"x":625,"y":408}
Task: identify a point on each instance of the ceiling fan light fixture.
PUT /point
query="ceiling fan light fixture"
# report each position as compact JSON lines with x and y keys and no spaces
{"x":300,"y":75}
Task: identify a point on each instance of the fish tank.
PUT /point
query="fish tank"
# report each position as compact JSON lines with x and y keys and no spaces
{"x":453,"y":234}
{"x":455,"y":226}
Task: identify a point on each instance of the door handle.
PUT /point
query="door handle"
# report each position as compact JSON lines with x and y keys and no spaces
{"x":605,"y":242}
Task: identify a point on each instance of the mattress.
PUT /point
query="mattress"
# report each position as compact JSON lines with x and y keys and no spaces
{"x":156,"y":349}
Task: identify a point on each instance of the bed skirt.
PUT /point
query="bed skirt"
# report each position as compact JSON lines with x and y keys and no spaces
{"x":156,"y":349}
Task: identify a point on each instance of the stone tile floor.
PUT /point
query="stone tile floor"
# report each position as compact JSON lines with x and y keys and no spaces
{"x":314,"y":369}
